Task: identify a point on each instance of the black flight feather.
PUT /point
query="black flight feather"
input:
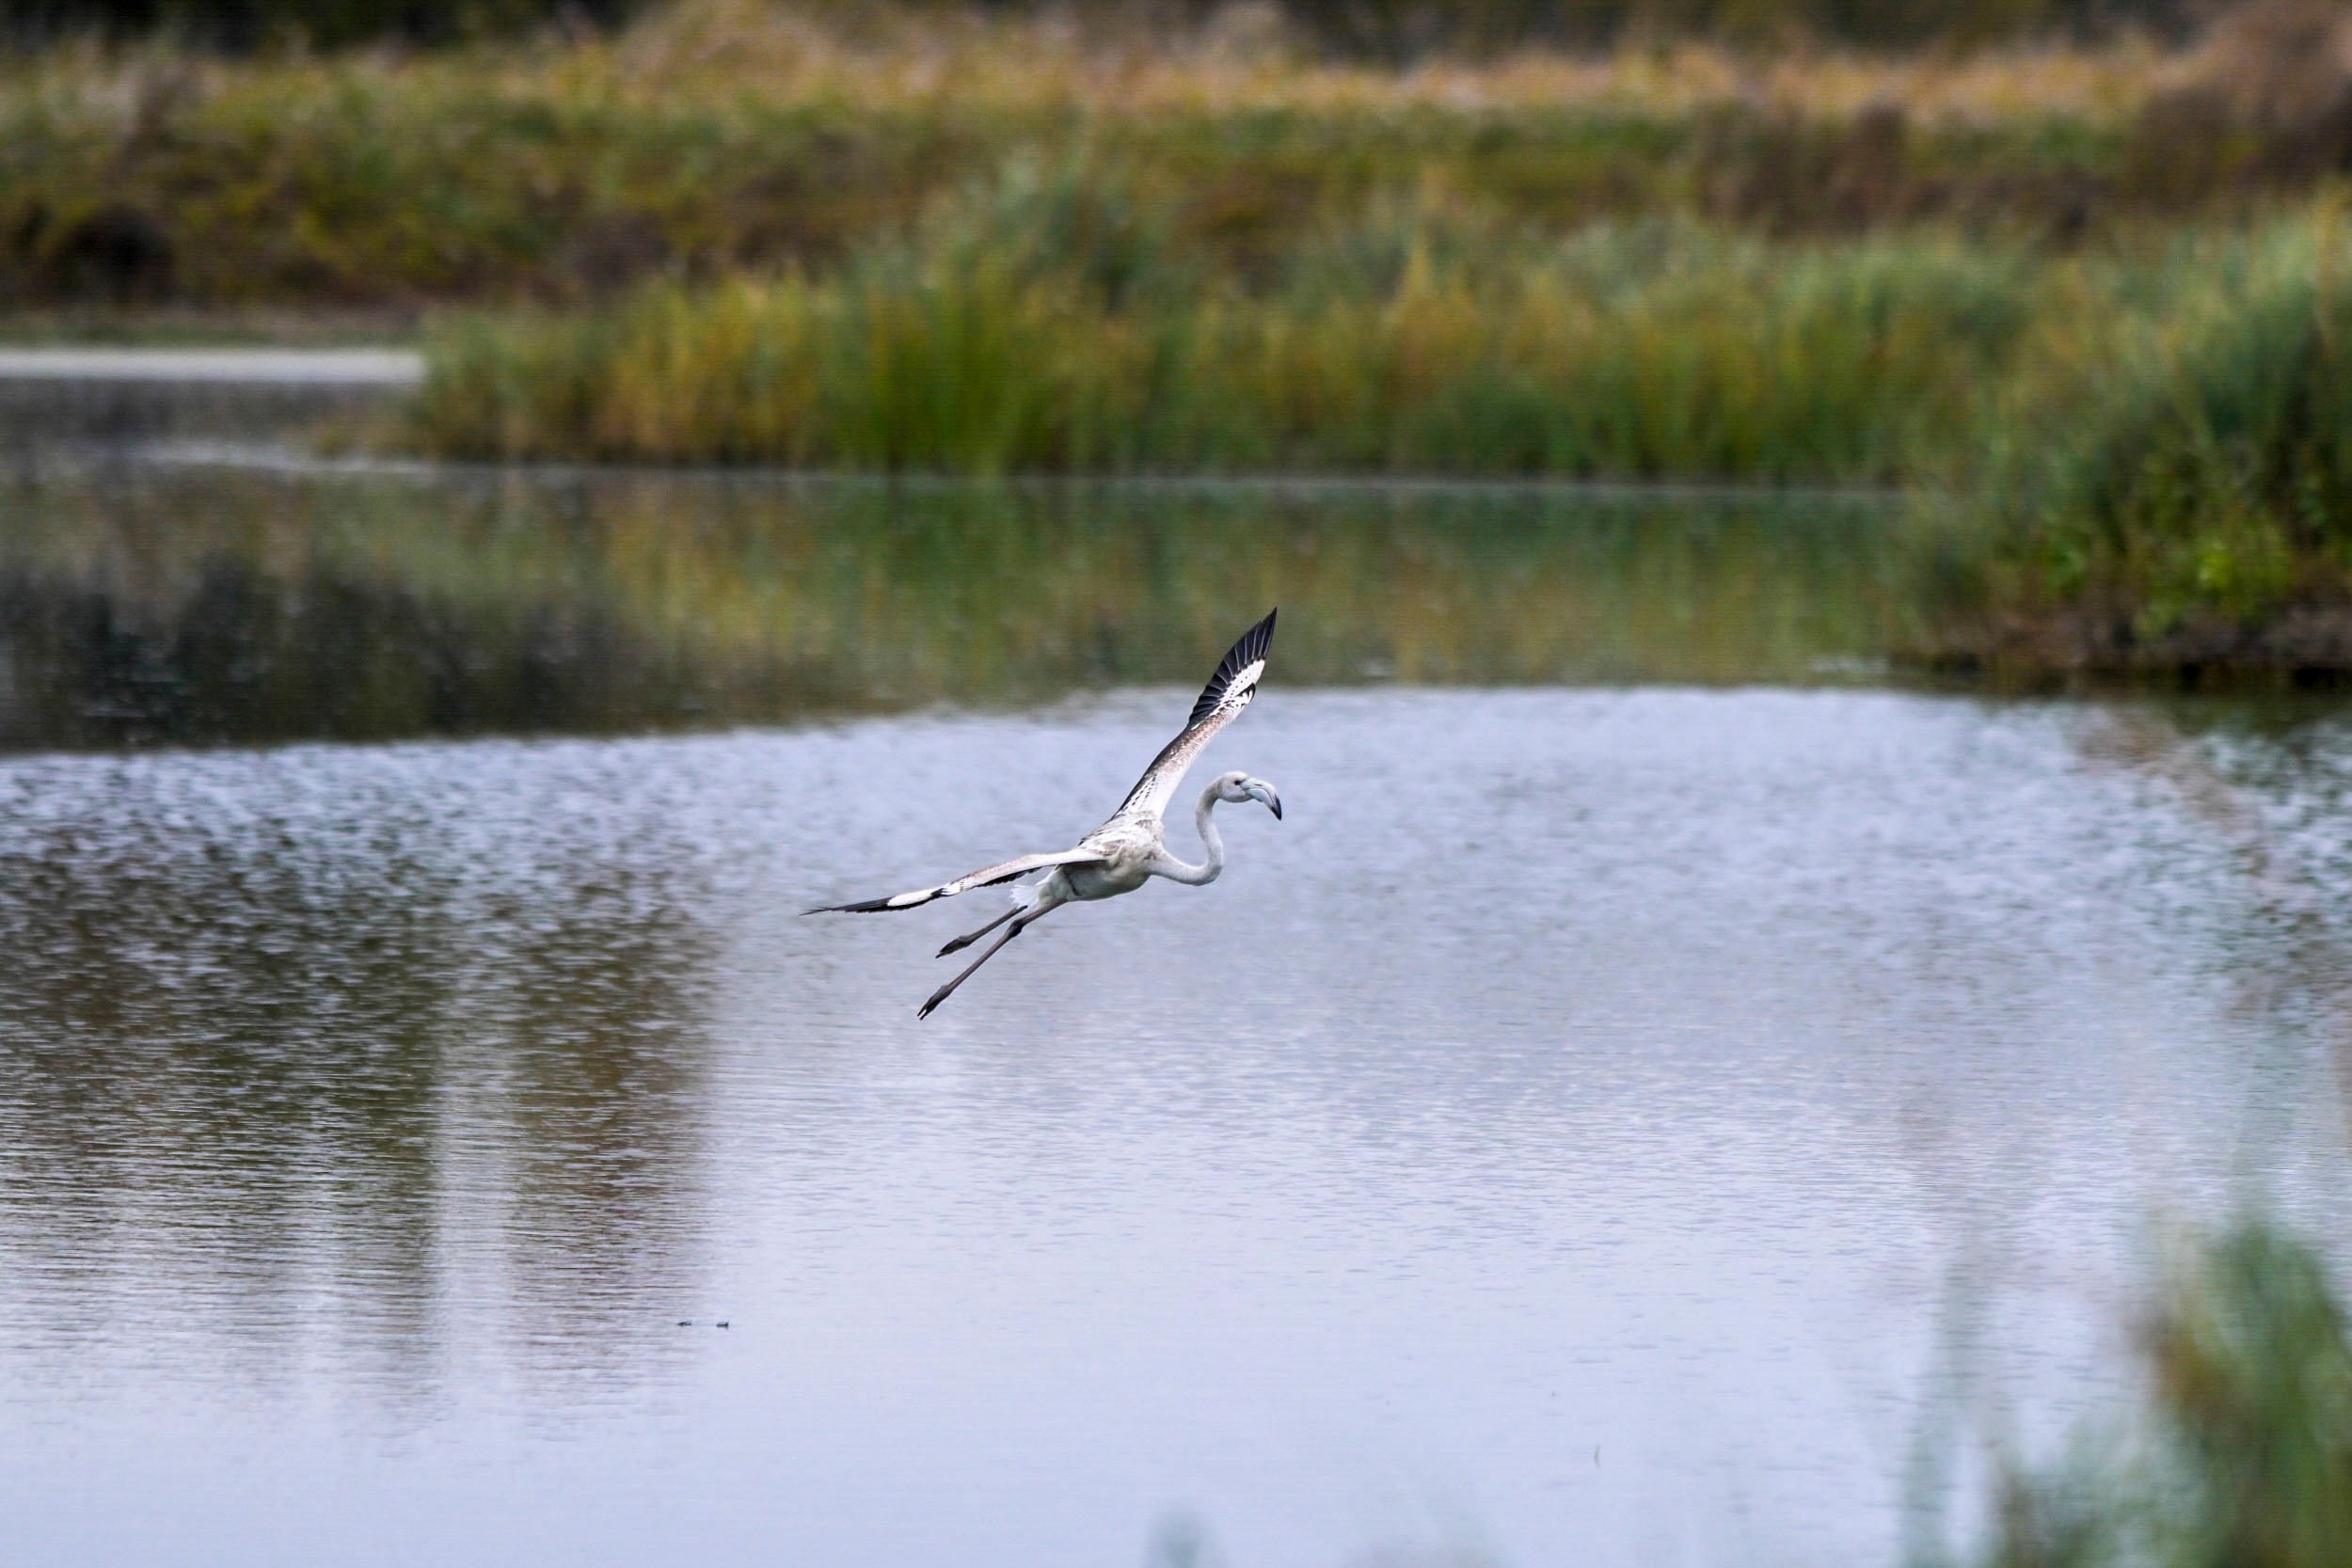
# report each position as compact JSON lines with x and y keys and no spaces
{"x":1251,"y":648}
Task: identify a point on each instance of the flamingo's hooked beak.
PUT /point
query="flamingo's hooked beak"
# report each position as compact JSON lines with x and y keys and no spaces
{"x":1264,"y":793}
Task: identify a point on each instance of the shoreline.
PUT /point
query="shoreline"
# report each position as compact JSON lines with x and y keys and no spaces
{"x":278,"y":456}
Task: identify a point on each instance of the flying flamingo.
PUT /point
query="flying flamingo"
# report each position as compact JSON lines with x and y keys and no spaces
{"x":1130,"y":848}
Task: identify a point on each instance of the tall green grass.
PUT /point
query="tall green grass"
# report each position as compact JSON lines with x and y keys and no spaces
{"x":1032,"y":327}
{"x":2242,"y":1454}
{"x":2177,"y":488}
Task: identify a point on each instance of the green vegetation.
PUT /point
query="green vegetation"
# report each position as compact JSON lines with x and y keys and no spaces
{"x":1043,"y":326}
{"x":2180,"y":498}
{"x":722,"y":136}
{"x":2243,"y":1455}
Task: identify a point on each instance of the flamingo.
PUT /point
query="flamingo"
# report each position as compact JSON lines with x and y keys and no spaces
{"x":1130,"y":847}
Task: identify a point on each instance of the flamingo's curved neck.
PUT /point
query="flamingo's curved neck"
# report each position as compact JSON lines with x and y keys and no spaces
{"x":1209,"y":870}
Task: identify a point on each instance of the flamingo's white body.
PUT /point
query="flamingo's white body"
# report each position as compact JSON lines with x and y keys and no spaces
{"x":1132,"y":847}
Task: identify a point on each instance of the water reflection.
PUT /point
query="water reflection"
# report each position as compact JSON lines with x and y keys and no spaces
{"x":144,"y":601}
{"x":279,"y":1051}
{"x":2270,"y":783}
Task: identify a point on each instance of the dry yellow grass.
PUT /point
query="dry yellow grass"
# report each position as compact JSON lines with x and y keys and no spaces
{"x":782,"y":53}
{"x":771,"y":54}
{"x":720,"y":136}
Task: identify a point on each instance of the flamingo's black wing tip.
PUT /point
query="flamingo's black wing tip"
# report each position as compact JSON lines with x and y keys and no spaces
{"x":865,"y":906}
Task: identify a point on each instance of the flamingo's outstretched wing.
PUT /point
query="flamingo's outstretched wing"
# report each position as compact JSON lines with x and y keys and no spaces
{"x":1222,"y":701}
{"x":985,"y":876}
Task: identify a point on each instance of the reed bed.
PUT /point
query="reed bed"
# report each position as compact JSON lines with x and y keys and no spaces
{"x":1034,"y":327}
{"x":2174,"y":492}
{"x":1044,"y":323}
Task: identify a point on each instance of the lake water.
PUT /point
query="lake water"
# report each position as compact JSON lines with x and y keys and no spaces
{"x":1658,"y":1098}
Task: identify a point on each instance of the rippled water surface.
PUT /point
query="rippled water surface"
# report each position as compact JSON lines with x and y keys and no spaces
{"x":1604,"y":1124}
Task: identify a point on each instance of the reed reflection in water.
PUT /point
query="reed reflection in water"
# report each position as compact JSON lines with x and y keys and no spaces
{"x":296,"y":1050}
{"x":144,"y":602}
